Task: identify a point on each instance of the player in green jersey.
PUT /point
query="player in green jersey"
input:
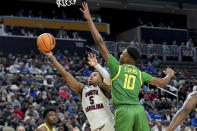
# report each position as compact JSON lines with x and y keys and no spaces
{"x":126,"y":82}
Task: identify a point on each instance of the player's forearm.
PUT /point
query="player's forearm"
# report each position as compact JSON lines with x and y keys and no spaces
{"x":104,"y":74}
{"x":59,"y":67}
{"x":96,"y":35}
{"x":164,"y":81}
{"x":178,"y":118}
{"x":98,"y":40}
{"x":70,"y":80}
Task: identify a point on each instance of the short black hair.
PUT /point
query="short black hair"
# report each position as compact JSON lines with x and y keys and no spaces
{"x":101,"y":76}
{"x":47,"y":110}
{"x":134,"y":52}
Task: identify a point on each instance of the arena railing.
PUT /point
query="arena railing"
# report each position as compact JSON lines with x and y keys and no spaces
{"x":157,"y":49}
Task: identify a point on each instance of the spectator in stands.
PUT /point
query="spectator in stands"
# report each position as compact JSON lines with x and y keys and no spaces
{"x":19,"y":112}
{"x":152,"y":95}
{"x":86,"y":72}
{"x":155,"y":115}
{"x":64,"y":92}
{"x":7,"y":112}
{"x":14,"y":101}
{"x":153,"y":104}
{"x":151,"y":43}
{"x":150,"y":68}
{"x":189,"y":43}
{"x":34,"y":70}
{"x":167,"y":116}
{"x":194,"y":121}
{"x":14,"y":68}
{"x":2,"y":69}
{"x":57,"y":83}
{"x":158,"y":126}
{"x":3,"y":103}
{"x":23,"y":69}
{"x":32,"y":91}
{"x":164,"y":104}
{"x":62,"y":33}
{"x":174,"y":43}
{"x":66,"y":54}
{"x":98,"y":19}
{"x":59,"y":55}
{"x":182,"y":44}
{"x":29,"y":34}
{"x":30,"y":121}
{"x":75,"y":35}
{"x":76,"y":57}
{"x":32,"y":112}
{"x":182,"y":94}
{"x":162,"y":94}
{"x":194,"y":86}
{"x":59,"y":114}
{"x":165,"y":48}
{"x":146,"y":88}
{"x":180,"y":104}
{"x":156,"y":61}
{"x":22,"y":32}
{"x":187,"y":73}
{"x":48,"y":82}
{"x":143,"y":42}
{"x":133,"y":42}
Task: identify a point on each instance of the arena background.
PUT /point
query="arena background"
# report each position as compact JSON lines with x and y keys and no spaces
{"x":164,"y":30}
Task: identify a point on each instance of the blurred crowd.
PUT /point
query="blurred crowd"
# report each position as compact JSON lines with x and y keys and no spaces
{"x":29,"y":83}
{"x":51,"y":15}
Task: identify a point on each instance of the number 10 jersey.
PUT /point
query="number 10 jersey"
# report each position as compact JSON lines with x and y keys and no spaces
{"x":126,"y":82}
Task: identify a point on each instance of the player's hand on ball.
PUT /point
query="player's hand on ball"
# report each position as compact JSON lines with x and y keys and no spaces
{"x":92,"y":60}
{"x":49,"y":54}
{"x":85,"y":11}
{"x":169,"y":71}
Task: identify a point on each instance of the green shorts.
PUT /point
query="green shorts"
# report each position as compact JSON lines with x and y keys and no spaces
{"x":131,"y":118}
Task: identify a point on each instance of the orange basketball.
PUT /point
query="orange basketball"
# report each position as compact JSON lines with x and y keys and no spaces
{"x":46,"y":42}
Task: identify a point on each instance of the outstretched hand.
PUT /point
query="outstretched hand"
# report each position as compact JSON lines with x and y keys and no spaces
{"x":92,"y":60}
{"x":169,"y":71}
{"x":85,"y":11}
{"x":49,"y":54}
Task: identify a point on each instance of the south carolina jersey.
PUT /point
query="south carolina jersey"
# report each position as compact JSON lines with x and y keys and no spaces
{"x":96,"y":107}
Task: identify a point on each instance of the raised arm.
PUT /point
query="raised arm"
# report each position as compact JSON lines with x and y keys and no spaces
{"x":92,"y":61}
{"x":95,"y":34}
{"x":106,"y":85}
{"x":70,"y":80}
{"x":163,"y":81}
{"x":187,"y":107}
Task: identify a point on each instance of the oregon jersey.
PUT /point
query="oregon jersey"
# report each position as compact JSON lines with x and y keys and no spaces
{"x":126,"y":82}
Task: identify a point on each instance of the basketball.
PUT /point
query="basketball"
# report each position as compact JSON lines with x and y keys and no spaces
{"x":46,"y":42}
